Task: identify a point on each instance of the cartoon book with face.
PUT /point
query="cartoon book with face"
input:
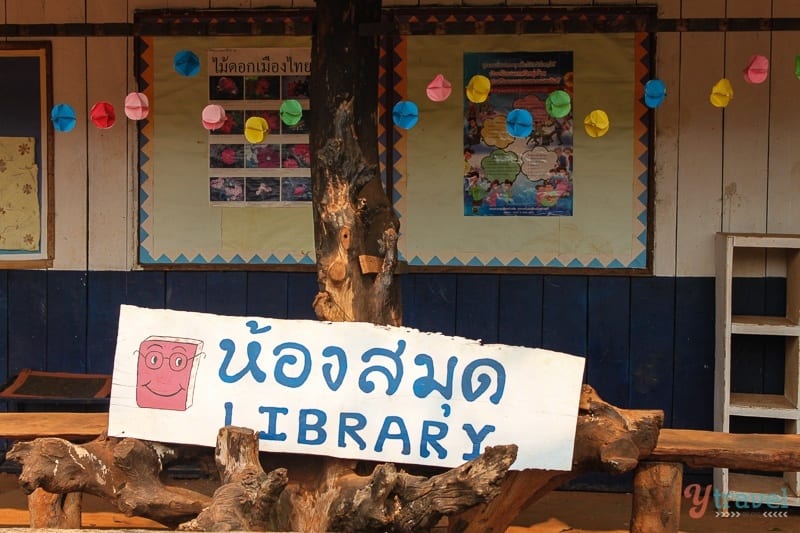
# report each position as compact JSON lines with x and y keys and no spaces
{"x":166,"y":371}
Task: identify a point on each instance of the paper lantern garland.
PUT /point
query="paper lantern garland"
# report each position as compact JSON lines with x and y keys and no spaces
{"x":558,"y":104}
{"x":519,"y":123}
{"x":291,"y":112}
{"x":721,"y":93}
{"x":103,"y":115}
{"x":405,"y":114}
{"x":63,"y":117}
{"x":439,"y":89}
{"x":212,"y":117}
{"x":256,"y":129}
{"x":137,"y":106}
{"x":186,"y":63}
{"x":478,"y":89}
{"x":596,"y":123}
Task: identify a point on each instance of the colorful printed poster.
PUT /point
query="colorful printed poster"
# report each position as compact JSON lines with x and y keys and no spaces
{"x":250,"y":82}
{"x":518,"y":176}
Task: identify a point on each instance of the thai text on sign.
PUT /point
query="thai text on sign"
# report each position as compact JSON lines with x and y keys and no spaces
{"x":348,"y":390}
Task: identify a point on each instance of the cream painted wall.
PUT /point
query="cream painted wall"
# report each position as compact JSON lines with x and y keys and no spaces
{"x":715,"y":170}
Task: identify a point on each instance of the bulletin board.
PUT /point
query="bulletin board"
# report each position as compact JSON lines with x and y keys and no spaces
{"x":601,"y":221}
{"x":197,"y":190}
{"x":26,"y":156}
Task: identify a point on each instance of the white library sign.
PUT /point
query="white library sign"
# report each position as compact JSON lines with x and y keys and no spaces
{"x":348,"y":390}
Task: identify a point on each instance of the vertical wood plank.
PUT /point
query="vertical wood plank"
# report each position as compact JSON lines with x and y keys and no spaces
{"x":693,"y":365}
{"x":700,"y":138}
{"x":106,"y":293}
{"x":4,"y":315}
{"x":435,"y":303}
{"x":186,"y":291}
{"x":69,"y":86}
{"x":564,"y":314}
{"x":520,"y":314}
{"x":27,"y":320}
{"x":774,"y":347}
{"x":652,"y":341}
{"x":608,"y":359}
{"x":303,"y":288}
{"x":784,"y":157}
{"x":145,"y":289}
{"x":66,"y":324}
{"x":109,"y":226}
{"x":267,"y":294}
{"x":746,"y":136}
{"x":407,"y":288}
{"x":667,"y":122}
{"x":477,"y":306}
{"x":226,"y":293}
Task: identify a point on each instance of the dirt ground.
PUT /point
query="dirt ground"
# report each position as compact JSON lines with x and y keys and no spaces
{"x":560,"y":511}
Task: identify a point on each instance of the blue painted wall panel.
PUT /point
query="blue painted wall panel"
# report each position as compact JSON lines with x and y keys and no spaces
{"x":186,"y":291}
{"x":146,"y":289}
{"x":27,"y":320}
{"x":564,"y":304}
{"x":693,"y":369}
{"x":520,"y":310}
{"x":267,"y":294}
{"x":226,"y":293}
{"x":435,"y":303}
{"x":652,"y":326}
{"x":649,"y":342}
{"x":476,"y":307}
{"x":67,"y":296}
{"x":608,"y":333}
{"x":106,"y":293}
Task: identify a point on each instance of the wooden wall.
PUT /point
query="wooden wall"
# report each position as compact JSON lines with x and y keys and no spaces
{"x":649,"y":340}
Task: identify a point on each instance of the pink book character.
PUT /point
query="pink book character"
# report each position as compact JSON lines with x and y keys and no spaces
{"x":166,"y":371}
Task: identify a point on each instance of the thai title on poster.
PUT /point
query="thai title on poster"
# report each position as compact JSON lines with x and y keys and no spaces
{"x":348,"y":390}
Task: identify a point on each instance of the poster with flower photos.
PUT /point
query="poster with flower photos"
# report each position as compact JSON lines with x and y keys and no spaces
{"x":253,"y":82}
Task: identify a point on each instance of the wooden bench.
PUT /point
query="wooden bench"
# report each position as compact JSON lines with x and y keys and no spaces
{"x":66,"y":425}
{"x":657,"y":482}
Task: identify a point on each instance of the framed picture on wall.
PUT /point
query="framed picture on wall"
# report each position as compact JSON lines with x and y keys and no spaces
{"x":26,"y":156}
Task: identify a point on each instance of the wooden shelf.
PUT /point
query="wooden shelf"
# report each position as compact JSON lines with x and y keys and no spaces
{"x":748,"y":485}
{"x":784,"y":406}
{"x":763,"y":406}
{"x":760,"y":240}
{"x":763,"y":325}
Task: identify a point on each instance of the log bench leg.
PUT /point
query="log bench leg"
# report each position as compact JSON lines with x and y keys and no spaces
{"x":657,"y":498}
{"x":54,"y":511}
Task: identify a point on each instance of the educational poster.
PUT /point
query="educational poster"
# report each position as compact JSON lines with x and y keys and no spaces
{"x":344,"y":389}
{"x":518,"y":176}
{"x":251,"y":82}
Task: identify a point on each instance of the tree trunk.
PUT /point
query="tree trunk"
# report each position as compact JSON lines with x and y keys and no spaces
{"x":355,"y":226}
